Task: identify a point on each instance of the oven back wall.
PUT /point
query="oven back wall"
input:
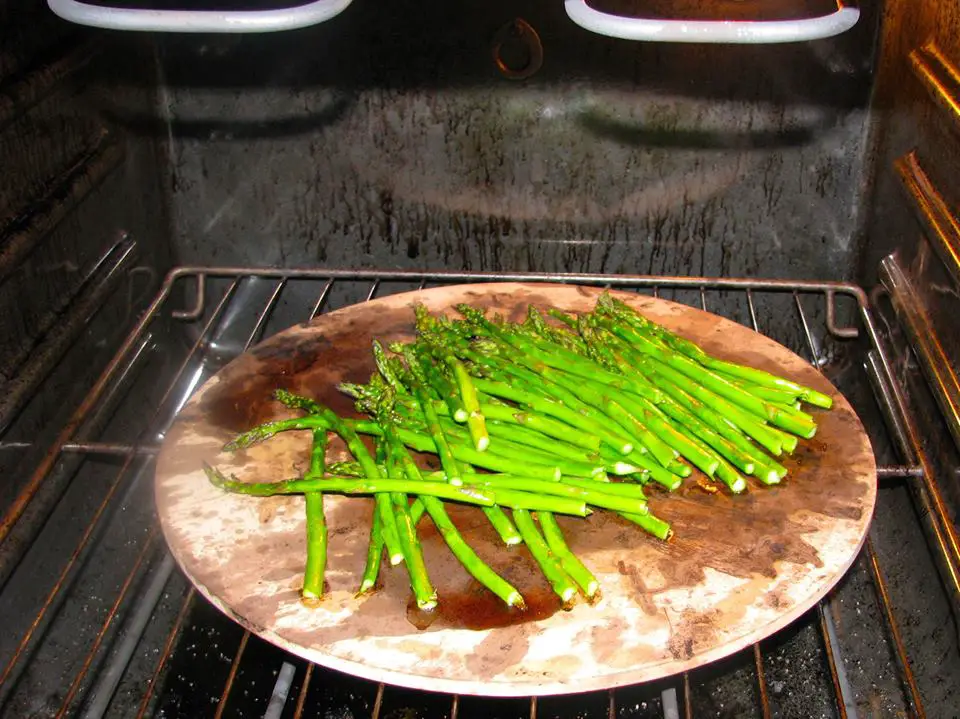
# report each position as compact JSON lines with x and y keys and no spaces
{"x":389,"y":138}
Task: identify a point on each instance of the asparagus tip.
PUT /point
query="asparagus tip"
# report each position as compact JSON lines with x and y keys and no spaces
{"x":216,"y":477}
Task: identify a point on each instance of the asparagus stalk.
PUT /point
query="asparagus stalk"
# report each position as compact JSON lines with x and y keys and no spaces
{"x":566,"y":406}
{"x":539,"y":418}
{"x":550,"y":566}
{"x":461,"y":550}
{"x":651,"y":524}
{"x":624,"y":489}
{"x":621,"y":310}
{"x":447,"y":390}
{"x":316,"y":527}
{"x":537,"y":324}
{"x":497,"y":517}
{"x":468,"y":393}
{"x":557,"y":358}
{"x":568,"y":560}
{"x":371,"y":569}
{"x":352,"y":486}
{"x":591,"y":495}
{"x":715,"y":383}
{"x":531,"y":438}
{"x":375,"y":545}
{"x":417,"y":381}
{"x":423,"y":592}
{"x":415,"y":440}
{"x":388,"y":369}
{"x":370,"y":468}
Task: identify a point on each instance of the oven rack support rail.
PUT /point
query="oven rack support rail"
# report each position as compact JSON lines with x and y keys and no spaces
{"x":73,"y":440}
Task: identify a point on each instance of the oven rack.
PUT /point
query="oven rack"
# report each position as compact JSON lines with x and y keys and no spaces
{"x":217,"y":297}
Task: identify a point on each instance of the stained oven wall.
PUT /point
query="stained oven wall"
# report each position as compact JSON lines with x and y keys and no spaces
{"x":388,"y":138}
{"x":74,"y":184}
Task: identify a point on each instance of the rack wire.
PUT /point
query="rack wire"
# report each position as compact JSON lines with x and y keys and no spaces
{"x":218,"y":293}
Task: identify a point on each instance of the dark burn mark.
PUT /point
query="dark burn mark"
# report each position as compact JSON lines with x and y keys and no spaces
{"x":477,"y":608}
{"x":306,"y":362}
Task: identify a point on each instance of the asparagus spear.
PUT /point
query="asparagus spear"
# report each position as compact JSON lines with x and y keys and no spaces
{"x":423,"y":591}
{"x":417,"y":382}
{"x":371,"y":568}
{"x":568,"y":560}
{"x":468,"y":393}
{"x":352,"y":486}
{"x":550,"y":566}
{"x":570,"y":409}
{"x":714,"y":382}
{"x":359,"y":451}
{"x":527,"y":352}
{"x":447,"y":390}
{"x":621,"y":310}
{"x":316,"y":527}
{"x":591,"y":495}
{"x":461,"y":550}
{"x":537,"y":418}
{"x":653,"y":525}
{"x":415,"y":440}
{"x":497,"y":517}
{"x":519,"y":434}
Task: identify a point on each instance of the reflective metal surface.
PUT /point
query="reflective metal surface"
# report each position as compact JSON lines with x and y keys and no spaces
{"x":936,"y":363}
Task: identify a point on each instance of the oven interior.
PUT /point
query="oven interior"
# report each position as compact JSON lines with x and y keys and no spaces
{"x":170,"y":200}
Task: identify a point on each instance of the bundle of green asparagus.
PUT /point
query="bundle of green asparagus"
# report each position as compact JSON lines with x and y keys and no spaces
{"x":537,"y":418}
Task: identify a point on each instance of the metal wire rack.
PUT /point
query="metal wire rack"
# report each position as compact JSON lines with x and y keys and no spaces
{"x":230,"y":309}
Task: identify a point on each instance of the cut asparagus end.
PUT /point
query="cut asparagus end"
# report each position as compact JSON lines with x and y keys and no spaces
{"x":515,"y":599}
{"x":592,"y":591}
{"x":817,"y":399}
{"x":309,"y":599}
{"x":427,"y":604}
{"x":738,"y":485}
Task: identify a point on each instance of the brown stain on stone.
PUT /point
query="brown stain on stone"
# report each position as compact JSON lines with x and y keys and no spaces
{"x":692,"y":633}
{"x":500,"y":651}
{"x":606,"y":642}
{"x":641,"y":595}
